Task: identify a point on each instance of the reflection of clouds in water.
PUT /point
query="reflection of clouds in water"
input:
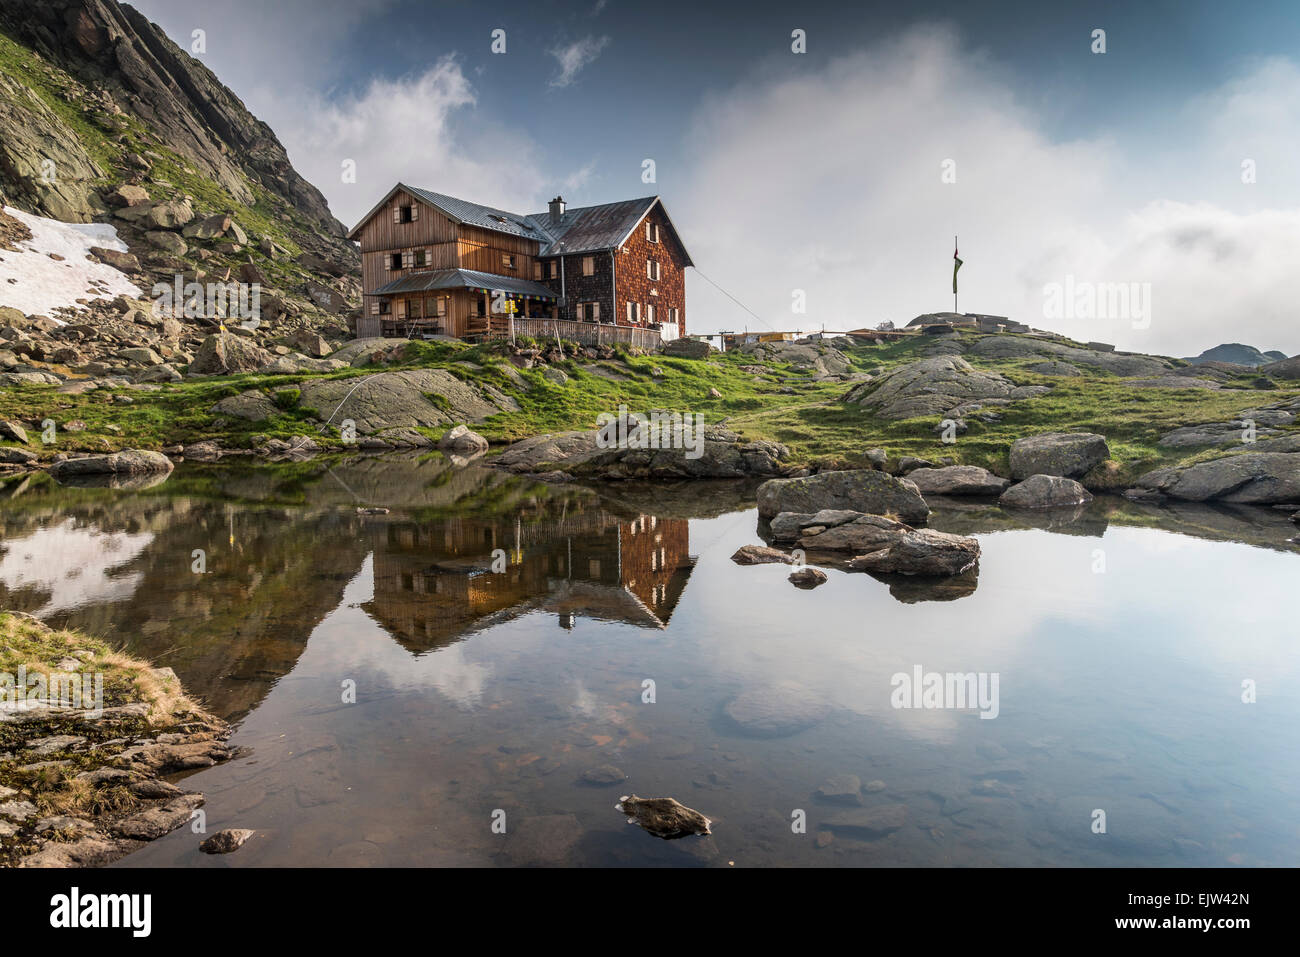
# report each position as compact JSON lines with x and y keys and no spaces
{"x":591,"y":707}
{"x":75,"y":566}
{"x":1054,"y":630}
{"x":459,"y":679}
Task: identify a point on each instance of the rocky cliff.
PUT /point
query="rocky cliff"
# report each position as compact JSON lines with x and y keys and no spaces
{"x":103,"y":118}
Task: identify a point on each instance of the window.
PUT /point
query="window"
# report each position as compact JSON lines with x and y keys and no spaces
{"x":650,"y":313}
{"x":634,"y":312}
{"x":413,"y":309}
{"x":672,"y":314}
{"x":507,"y":261}
{"x":395,"y":261}
{"x":406,"y":214}
{"x":652,"y":232}
{"x":588,"y":265}
{"x":589,"y":311}
{"x":420,"y":259}
{"x":385,"y":307}
{"x":652,"y":269}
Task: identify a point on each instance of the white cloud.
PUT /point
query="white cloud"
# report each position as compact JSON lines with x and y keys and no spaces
{"x":576,"y":55}
{"x":829,"y":181}
{"x":409,"y":130}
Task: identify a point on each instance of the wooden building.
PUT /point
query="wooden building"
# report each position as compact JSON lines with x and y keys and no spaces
{"x":432,"y":264}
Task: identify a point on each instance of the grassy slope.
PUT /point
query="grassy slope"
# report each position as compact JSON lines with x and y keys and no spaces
{"x":811,"y":421}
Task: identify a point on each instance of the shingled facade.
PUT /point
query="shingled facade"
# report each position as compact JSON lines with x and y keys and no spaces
{"x":434,"y":264}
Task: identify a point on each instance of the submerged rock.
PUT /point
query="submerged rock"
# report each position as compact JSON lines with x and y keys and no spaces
{"x":776,"y":710}
{"x":664,"y":817}
{"x":870,"y":823}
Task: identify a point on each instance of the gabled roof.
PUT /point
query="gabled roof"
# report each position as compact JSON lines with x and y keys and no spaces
{"x":583,"y":229}
{"x":463,"y":279}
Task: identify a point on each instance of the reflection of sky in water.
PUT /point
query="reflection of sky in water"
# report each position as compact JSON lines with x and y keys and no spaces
{"x":1119,"y":690}
{"x":74,"y":565}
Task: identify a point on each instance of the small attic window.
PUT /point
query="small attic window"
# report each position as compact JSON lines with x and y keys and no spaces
{"x":405,"y":214}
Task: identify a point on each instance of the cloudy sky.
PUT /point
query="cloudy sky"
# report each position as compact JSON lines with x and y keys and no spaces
{"x":1165,"y":166}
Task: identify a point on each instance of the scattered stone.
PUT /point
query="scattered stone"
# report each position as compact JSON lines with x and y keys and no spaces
{"x":841,"y":789}
{"x":760,"y":555}
{"x":226,"y":841}
{"x":462,"y":441}
{"x":808,"y":578}
{"x":664,"y":817}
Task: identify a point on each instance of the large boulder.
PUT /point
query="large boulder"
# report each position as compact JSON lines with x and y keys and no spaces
{"x":864,"y":490}
{"x":1045,"y":491}
{"x":1255,"y":478}
{"x":928,"y":387}
{"x":957,"y":480}
{"x":462,"y":441}
{"x":923,"y":552}
{"x":389,"y":400}
{"x":224,"y":353}
{"x":251,"y":405}
{"x":539,"y":453}
{"x":688,"y":348}
{"x":126,"y":462}
{"x":1058,"y":453}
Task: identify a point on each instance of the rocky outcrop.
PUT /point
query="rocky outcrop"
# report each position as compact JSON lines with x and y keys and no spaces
{"x":129,"y":462}
{"x":1284,"y":369}
{"x":1058,"y":453}
{"x":389,"y":400}
{"x":721,"y":454}
{"x":928,"y":387}
{"x":33,"y":136}
{"x":864,"y":490}
{"x":1024,"y":347}
{"x":1254,"y":478}
{"x":228,"y":354}
{"x":1045,"y":491}
{"x":957,"y":480}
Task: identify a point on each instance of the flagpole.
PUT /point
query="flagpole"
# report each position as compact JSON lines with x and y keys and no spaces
{"x":954,"y":275}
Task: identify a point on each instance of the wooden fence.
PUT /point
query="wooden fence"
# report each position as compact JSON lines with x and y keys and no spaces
{"x":585,"y":333}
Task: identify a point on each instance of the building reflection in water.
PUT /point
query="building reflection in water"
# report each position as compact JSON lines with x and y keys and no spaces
{"x":435,"y":583}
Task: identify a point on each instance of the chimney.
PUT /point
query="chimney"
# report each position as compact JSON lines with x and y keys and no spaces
{"x":557,"y":208}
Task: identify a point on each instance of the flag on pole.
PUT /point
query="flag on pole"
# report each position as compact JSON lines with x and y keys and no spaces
{"x":956,"y":264}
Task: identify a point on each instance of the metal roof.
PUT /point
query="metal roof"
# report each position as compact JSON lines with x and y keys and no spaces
{"x":463,"y":279}
{"x":486,"y":217}
{"x":590,"y":228}
{"x":582,"y":229}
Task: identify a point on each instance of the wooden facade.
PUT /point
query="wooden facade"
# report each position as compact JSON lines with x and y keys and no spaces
{"x":434,"y":265}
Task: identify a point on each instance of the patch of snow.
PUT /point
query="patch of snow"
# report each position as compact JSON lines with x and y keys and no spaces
{"x":45,"y":284}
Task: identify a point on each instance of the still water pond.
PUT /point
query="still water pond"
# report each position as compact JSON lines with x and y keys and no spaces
{"x":1121,"y":636}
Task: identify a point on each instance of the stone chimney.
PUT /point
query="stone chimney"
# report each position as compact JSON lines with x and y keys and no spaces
{"x":557,"y":208}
